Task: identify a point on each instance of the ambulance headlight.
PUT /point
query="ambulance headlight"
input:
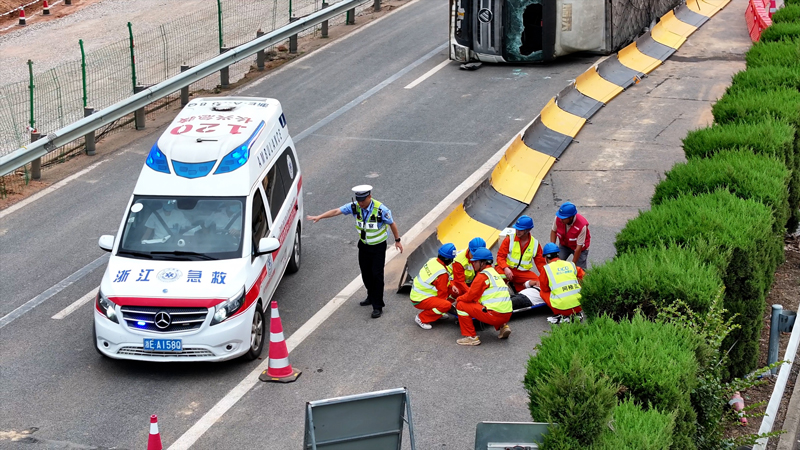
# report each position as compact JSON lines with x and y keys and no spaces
{"x":228,"y":308}
{"x":106,"y":307}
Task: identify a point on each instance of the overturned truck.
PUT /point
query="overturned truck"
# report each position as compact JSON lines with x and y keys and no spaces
{"x":531,"y":31}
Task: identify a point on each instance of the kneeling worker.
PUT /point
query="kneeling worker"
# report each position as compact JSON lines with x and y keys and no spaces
{"x":432,"y":288}
{"x":559,"y":285}
{"x":463,"y":274}
{"x":487,"y":300}
{"x":519,"y":253}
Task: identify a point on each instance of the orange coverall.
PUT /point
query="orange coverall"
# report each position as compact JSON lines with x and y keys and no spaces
{"x":470,"y":304}
{"x":459,"y":279}
{"x":440,"y":302}
{"x":544,"y":291}
{"x":520,"y":276}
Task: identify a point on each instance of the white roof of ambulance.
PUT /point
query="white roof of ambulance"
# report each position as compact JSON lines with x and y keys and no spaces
{"x":195,"y":146}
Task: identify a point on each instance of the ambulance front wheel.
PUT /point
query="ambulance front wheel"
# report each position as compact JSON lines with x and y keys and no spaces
{"x":294,"y":260}
{"x":258,"y":331}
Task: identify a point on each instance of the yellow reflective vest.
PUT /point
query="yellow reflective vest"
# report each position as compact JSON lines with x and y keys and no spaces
{"x":518,"y":260}
{"x":565,"y":291}
{"x":496,"y":297}
{"x":469,"y":271}
{"x":423,"y":287}
{"x":373,"y":231}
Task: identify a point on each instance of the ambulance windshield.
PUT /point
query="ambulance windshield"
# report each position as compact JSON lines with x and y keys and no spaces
{"x":183,"y":228}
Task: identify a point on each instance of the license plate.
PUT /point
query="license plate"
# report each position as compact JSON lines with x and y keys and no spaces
{"x":163,"y":345}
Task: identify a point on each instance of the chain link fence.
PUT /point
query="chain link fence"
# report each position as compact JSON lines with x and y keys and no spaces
{"x":56,"y":97}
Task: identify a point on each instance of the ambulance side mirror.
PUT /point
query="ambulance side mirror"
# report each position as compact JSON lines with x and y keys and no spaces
{"x":106,"y":242}
{"x":267,"y":245}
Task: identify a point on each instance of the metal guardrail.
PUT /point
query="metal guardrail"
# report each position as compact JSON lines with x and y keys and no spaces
{"x":77,"y":130}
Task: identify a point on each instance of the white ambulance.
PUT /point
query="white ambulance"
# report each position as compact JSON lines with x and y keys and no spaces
{"x":213,"y":224}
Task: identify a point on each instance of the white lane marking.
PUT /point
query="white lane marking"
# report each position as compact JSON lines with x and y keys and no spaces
{"x":63,"y":284}
{"x":76,"y":304}
{"x":234,"y":395}
{"x":358,"y":100}
{"x":427,"y":75}
{"x":48,"y":190}
{"x":402,"y":141}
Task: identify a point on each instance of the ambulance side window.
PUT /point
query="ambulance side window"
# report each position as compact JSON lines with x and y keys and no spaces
{"x":260,"y":226}
{"x":287,"y":166}
{"x":275,"y":188}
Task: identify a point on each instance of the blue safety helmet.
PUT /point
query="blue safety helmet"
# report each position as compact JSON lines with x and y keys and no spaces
{"x":524,"y":223}
{"x":549,"y":249}
{"x":482,"y":254}
{"x":566,"y":211}
{"x":476,"y":243}
{"x":447,"y":251}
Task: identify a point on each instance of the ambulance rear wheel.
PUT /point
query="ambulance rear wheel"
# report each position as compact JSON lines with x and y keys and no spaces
{"x":258,"y":333}
{"x":294,"y":260}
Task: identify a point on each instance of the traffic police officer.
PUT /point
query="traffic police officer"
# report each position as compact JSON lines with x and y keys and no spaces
{"x":372,"y":218}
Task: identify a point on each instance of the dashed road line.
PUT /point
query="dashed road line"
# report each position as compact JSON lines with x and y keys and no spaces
{"x":427,"y":75}
{"x":76,"y":304}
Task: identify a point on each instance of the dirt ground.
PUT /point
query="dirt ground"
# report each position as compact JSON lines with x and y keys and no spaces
{"x":56,"y":12}
{"x":786,"y":292}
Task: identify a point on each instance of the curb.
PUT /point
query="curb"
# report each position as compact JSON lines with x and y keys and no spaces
{"x":499,"y":199}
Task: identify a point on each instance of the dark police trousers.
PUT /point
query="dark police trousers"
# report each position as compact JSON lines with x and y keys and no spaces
{"x":371,"y":260}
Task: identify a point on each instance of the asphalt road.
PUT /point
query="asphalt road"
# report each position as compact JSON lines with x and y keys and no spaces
{"x":414,"y":145}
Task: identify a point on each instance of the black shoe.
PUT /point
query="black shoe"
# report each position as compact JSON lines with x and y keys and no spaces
{"x":365,"y":302}
{"x":376,"y":313}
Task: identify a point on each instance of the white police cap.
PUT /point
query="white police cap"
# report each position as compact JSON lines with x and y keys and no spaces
{"x":362,"y":191}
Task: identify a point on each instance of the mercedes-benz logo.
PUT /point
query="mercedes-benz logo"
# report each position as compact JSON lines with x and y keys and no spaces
{"x":163,"y":320}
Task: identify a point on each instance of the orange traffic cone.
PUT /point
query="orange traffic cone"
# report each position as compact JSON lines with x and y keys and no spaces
{"x":737,"y":403}
{"x":22,"y":16}
{"x":45,"y":8}
{"x":154,"y":440}
{"x":279,"y":369}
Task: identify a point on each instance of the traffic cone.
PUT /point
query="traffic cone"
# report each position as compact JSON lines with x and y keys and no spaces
{"x":22,"y":17}
{"x":45,"y":8}
{"x":279,"y":369}
{"x":154,"y":440}
{"x":737,"y":403}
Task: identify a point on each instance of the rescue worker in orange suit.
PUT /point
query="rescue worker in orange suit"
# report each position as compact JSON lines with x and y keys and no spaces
{"x":519,"y":253}
{"x":431,"y":288}
{"x":559,"y":285}
{"x":487,"y":300}
{"x":572,"y":231}
{"x":463,"y":274}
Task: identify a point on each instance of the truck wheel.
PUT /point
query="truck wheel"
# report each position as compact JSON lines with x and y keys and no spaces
{"x":257,"y":334}
{"x":294,"y":260}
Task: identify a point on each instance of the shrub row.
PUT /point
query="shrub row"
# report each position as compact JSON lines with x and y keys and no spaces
{"x":580,"y":370}
{"x":789,"y":13}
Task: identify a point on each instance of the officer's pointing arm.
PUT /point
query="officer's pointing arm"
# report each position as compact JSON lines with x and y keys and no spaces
{"x":325,"y":215}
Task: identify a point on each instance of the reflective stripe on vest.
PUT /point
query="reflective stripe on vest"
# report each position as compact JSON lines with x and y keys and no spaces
{"x":375,"y":228}
{"x":423,"y":287}
{"x":518,"y":260}
{"x":565,"y":291}
{"x":469,"y":271}
{"x":496,"y":296}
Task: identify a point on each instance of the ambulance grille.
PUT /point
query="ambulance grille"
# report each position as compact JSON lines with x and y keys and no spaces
{"x":185,"y":353}
{"x":181,"y":319}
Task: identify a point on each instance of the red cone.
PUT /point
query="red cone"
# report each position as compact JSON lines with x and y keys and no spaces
{"x":45,"y":8}
{"x":22,"y":16}
{"x":154,"y":440}
{"x":279,"y":369}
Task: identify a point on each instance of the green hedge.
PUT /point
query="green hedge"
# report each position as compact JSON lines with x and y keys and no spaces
{"x":786,"y":31}
{"x":789,"y":13}
{"x":734,"y":235}
{"x":637,"y":429}
{"x":782,"y":53}
{"x":743,"y":173}
{"x":780,"y":103}
{"x":649,"y":279}
{"x":765,"y":78}
{"x":653,"y":364}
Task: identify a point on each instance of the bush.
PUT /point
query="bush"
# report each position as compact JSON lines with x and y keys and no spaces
{"x":648,"y":279}
{"x":789,"y":13}
{"x":752,"y":106}
{"x":733,"y":234}
{"x":578,"y":399}
{"x":768,"y":137}
{"x":765,"y":78}
{"x":654,"y":365}
{"x":786,"y":31}
{"x":637,"y":429}
{"x":743,"y":173}
{"x":782,"y":53}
